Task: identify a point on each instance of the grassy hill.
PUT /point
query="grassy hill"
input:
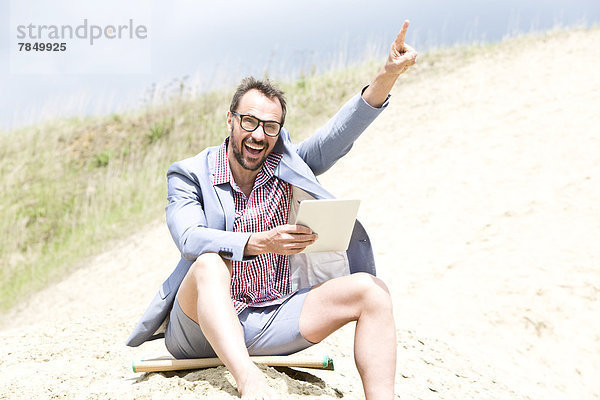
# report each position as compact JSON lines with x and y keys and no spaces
{"x":70,"y":186}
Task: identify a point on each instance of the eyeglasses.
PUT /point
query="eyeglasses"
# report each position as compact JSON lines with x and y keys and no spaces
{"x":249,"y":123}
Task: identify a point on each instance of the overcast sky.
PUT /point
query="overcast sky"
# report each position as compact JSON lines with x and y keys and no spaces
{"x":218,"y":42}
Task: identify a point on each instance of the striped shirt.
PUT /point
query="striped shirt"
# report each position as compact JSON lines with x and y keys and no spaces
{"x":265,"y":280}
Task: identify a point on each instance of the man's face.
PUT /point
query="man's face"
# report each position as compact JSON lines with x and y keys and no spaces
{"x":250,"y":149}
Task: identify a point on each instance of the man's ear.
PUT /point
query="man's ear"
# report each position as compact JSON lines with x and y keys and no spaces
{"x":229,"y":121}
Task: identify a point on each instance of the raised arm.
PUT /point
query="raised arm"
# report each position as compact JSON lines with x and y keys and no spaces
{"x":401,"y":57}
{"x":334,"y":139}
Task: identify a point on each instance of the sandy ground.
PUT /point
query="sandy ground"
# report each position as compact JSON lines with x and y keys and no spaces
{"x":481,"y":191}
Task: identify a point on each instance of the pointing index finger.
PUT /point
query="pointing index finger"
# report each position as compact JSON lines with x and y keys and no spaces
{"x":399,"y":42}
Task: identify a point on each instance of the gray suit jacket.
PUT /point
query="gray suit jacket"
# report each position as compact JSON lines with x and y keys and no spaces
{"x":200,"y":215}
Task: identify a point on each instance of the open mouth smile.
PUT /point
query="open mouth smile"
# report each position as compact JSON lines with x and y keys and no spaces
{"x":254,"y":149}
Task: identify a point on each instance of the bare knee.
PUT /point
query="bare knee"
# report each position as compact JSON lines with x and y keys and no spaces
{"x":208,"y":274}
{"x":209,"y":269}
{"x":371,"y":292}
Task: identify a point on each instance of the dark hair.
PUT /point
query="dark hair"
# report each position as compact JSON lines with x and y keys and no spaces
{"x":265,"y":87}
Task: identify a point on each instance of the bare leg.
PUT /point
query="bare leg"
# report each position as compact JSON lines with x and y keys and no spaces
{"x":213,"y":310}
{"x":363,"y":298}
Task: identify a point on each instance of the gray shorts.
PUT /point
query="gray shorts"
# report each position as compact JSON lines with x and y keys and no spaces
{"x":272,"y":330}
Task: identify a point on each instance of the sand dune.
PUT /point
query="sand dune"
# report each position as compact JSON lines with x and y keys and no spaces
{"x":488,"y":235}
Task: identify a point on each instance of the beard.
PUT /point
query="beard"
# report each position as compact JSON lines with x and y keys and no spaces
{"x":239,"y":156}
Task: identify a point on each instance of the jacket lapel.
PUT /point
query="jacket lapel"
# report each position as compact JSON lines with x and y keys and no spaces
{"x":287,"y":172}
{"x":226,"y":198}
{"x":294,"y":170}
{"x":223,"y":192}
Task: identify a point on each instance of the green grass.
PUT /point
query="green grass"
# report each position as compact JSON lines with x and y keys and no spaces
{"x":69,"y":187}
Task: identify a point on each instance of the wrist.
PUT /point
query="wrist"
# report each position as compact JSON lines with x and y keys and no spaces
{"x":387,"y":73}
{"x":255,"y":245}
{"x":377,"y":92}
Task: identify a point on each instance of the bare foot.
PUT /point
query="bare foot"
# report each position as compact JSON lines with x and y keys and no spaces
{"x":253,"y":385}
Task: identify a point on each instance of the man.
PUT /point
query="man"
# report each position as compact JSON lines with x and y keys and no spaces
{"x":241,"y":288}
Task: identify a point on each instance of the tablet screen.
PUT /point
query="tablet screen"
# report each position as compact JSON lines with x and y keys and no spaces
{"x":332,"y":219}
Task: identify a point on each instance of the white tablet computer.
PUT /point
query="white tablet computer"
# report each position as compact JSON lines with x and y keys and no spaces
{"x":332,"y":219}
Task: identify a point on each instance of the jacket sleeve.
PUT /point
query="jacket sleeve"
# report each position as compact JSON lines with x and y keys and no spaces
{"x":186,"y":219}
{"x":335,"y":139}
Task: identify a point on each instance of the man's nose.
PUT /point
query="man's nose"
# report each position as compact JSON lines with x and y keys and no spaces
{"x":259,"y":132}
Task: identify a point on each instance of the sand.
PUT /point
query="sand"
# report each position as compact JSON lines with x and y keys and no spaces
{"x":480,"y":188}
